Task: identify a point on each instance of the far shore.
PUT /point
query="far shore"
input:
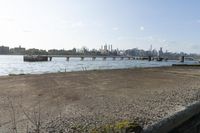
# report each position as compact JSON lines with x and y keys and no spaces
{"x":95,"y":98}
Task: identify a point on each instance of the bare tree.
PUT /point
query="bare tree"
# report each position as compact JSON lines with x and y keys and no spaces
{"x":34,"y":117}
{"x":12,"y":112}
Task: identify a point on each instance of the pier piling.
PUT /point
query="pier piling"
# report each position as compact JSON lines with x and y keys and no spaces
{"x":149,"y":58}
{"x":93,"y":58}
{"x":67,"y":59}
{"x":182,"y":59}
{"x":82,"y":58}
{"x":50,"y":58}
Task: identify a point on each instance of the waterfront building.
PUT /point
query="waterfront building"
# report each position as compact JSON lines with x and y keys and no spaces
{"x":18,"y":50}
{"x":4,"y":50}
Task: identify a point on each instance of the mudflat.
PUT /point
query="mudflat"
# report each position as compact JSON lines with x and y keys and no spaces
{"x":80,"y":101}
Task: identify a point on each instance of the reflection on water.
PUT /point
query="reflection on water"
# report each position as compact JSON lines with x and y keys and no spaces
{"x":15,"y":65}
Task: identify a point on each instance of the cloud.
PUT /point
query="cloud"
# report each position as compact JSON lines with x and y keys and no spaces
{"x":198,"y":21}
{"x":115,"y":28}
{"x":27,"y":30}
{"x":195,"y":46}
{"x":78,"y":24}
{"x":123,"y":38}
{"x":8,"y":19}
{"x":141,"y":28}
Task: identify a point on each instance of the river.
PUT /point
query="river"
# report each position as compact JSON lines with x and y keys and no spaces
{"x":11,"y":64}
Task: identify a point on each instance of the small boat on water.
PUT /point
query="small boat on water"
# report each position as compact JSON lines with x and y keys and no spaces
{"x":34,"y":58}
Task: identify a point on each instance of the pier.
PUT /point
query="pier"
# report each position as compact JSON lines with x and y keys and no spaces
{"x":82,"y":57}
{"x":33,"y":58}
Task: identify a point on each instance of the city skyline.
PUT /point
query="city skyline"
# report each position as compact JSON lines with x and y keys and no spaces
{"x":173,"y":25}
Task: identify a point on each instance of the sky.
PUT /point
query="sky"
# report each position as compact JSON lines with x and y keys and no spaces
{"x":65,"y":24}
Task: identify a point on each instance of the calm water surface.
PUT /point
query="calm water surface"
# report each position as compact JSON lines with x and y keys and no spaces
{"x":15,"y":65}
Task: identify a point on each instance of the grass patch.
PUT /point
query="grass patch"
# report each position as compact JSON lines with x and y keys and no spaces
{"x":119,"y":127}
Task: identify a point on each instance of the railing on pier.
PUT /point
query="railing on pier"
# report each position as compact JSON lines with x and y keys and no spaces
{"x":94,"y":57}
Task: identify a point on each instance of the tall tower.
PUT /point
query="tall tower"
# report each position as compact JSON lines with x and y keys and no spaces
{"x":160,"y":51}
{"x":150,"y":48}
{"x":105,"y":47}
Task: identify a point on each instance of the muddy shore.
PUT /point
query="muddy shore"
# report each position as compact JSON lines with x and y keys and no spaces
{"x":85,"y":100}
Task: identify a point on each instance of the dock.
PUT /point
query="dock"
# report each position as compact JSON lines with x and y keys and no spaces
{"x":33,"y":58}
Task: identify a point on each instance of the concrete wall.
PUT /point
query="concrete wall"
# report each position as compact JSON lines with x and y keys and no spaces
{"x":190,"y":126}
{"x":185,"y":121}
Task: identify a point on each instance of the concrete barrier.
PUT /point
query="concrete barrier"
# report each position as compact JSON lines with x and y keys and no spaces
{"x":184,"y":121}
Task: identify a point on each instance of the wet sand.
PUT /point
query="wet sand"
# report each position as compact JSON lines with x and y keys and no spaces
{"x":94,"y":98}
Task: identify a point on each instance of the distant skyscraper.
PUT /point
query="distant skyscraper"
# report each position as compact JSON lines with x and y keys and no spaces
{"x":160,"y":51}
{"x":150,"y":48}
{"x":105,"y":47}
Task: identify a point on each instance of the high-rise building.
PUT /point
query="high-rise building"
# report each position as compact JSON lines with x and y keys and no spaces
{"x":160,"y":51}
{"x":150,"y":48}
{"x":105,"y":47}
{"x":101,"y":47}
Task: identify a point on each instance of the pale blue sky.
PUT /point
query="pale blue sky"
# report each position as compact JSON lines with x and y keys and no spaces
{"x":46,"y":24}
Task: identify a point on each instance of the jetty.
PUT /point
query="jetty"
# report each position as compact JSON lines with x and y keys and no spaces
{"x":33,"y":58}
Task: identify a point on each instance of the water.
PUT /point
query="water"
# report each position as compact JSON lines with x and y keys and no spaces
{"x":15,"y":65}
